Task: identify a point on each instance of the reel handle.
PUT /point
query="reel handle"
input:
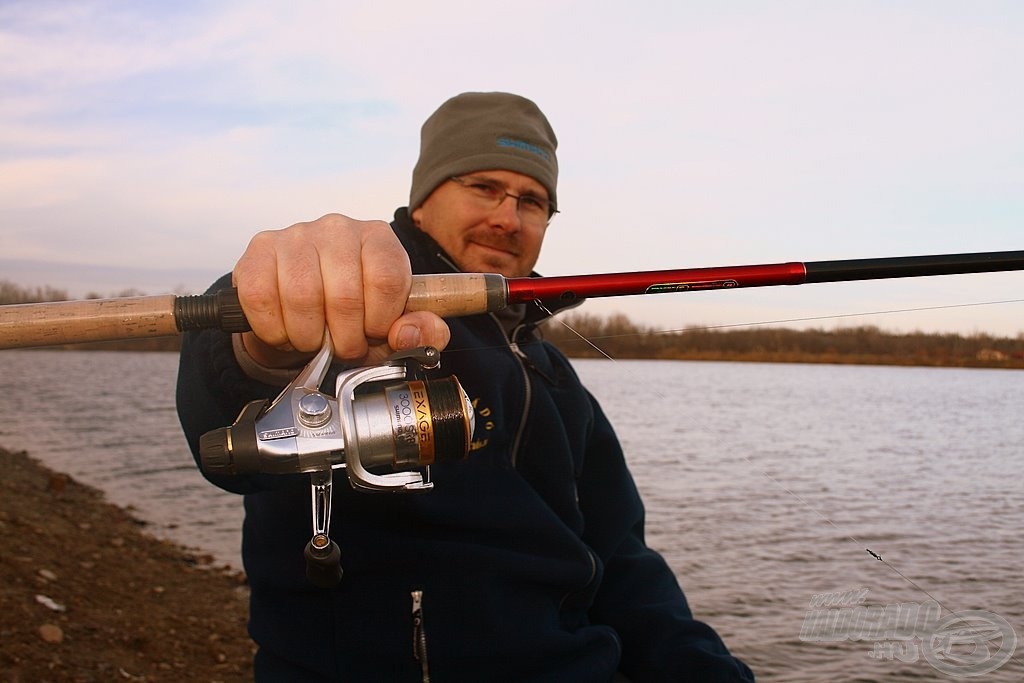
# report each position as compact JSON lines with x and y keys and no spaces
{"x":323,"y":565}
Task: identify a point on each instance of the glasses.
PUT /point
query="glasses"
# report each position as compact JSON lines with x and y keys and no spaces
{"x":532,"y":209}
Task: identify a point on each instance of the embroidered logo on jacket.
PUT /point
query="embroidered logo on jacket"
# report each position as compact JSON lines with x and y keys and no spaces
{"x":483,"y":425}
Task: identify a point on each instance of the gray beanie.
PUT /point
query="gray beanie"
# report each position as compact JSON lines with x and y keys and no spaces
{"x":484,"y":132}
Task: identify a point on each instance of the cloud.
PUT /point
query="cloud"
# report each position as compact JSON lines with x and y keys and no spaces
{"x":709,"y":133}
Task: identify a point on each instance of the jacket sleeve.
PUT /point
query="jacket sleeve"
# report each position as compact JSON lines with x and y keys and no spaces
{"x":639,"y":595}
{"x":212,"y":389}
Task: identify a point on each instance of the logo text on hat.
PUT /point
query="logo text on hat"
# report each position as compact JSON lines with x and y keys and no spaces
{"x":525,"y":146}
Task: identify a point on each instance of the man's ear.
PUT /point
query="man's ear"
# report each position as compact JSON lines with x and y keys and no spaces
{"x":417,"y":216}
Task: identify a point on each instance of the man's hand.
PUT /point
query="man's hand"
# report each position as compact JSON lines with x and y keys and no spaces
{"x":352,"y":275}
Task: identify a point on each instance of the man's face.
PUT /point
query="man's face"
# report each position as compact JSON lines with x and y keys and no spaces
{"x":480,"y":236}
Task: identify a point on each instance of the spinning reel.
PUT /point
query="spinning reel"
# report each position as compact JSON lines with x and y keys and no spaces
{"x":381,"y":416}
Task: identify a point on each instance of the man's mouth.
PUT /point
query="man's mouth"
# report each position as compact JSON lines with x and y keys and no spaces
{"x":505,"y":246}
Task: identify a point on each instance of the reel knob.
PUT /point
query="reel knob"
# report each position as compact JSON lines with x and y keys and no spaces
{"x":234,"y":449}
{"x":214,"y":452}
{"x":314,"y":410}
{"x":323,"y":562}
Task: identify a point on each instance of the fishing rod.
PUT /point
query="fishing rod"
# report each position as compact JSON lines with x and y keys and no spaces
{"x":391,"y":415}
{"x":460,"y":294}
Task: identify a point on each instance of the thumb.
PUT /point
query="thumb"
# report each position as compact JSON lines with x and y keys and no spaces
{"x":418,"y":328}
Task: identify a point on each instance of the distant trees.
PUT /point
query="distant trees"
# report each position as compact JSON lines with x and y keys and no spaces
{"x":618,"y":337}
{"x":11,"y":293}
{"x":131,"y":291}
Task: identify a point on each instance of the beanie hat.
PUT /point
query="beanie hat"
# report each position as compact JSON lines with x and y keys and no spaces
{"x":484,"y":132}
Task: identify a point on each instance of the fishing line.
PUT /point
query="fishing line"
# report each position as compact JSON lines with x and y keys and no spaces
{"x":835,"y":316}
{"x":851,"y":538}
{"x":725,"y":326}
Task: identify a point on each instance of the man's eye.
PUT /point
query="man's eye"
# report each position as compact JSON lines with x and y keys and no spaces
{"x":533,"y":203}
{"x":485,"y":189}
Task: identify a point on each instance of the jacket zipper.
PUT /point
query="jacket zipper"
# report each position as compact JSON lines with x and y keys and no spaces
{"x":527,"y":398}
{"x":419,"y":635}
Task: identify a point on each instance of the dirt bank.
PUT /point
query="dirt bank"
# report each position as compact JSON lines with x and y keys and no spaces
{"x":87,"y":595}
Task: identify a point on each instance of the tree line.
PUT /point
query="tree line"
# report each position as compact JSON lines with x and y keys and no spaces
{"x":589,"y":336}
{"x":584,"y":335}
{"x":11,"y":293}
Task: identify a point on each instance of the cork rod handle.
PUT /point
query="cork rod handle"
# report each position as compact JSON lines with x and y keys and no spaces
{"x":73,"y":322}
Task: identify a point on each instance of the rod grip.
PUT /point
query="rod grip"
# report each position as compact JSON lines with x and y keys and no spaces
{"x":72,"y":322}
{"x":453,"y":295}
{"x":448,"y":295}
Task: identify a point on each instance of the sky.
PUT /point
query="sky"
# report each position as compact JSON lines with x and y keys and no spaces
{"x":142,"y":144}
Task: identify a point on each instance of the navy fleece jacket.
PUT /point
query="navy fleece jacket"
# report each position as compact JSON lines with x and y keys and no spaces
{"x":530,"y":554}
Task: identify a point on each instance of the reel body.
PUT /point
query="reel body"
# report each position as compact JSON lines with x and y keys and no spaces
{"x":381,"y":417}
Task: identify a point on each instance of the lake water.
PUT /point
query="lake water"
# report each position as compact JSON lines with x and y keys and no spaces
{"x":767,"y":487}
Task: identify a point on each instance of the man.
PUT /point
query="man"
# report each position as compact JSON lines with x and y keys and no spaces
{"x":527,"y":560}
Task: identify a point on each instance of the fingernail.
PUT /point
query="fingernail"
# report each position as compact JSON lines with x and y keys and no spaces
{"x":408,"y":337}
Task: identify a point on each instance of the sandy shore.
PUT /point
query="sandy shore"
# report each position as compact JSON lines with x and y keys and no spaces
{"x":87,"y":595}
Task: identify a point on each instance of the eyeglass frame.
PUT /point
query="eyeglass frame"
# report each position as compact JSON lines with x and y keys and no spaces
{"x":461,"y":181}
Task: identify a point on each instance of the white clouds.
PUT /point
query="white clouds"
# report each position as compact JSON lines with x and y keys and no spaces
{"x":707,"y":133}
{"x":81,"y":44}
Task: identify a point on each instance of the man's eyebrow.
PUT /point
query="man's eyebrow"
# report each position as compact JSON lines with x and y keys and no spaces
{"x":481,"y":177}
{"x":478,"y":177}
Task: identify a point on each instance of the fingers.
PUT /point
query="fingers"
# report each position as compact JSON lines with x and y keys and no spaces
{"x":420,"y":328}
{"x":409,"y":331}
{"x":366,"y":277}
{"x":255,"y":278}
{"x":352,"y":277}
{"x":280,"y":290}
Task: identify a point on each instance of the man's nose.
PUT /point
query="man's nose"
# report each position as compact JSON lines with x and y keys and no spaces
{"x":506,"y":215}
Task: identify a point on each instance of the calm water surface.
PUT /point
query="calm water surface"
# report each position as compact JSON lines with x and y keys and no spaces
{"x":766,"y":485}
